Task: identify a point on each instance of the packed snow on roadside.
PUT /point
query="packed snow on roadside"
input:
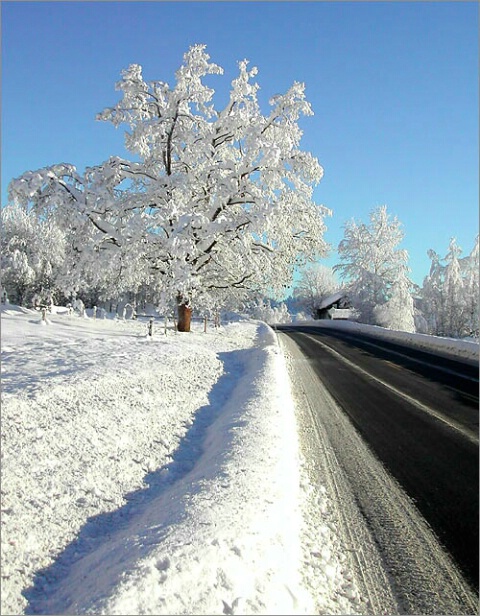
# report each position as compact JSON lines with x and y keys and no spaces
{"x":157,"y":475}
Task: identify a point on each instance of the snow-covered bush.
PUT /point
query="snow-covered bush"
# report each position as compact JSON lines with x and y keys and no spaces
{"x":263,"y":310}
{"x":79,"y":307}
{"x":301,"y":316}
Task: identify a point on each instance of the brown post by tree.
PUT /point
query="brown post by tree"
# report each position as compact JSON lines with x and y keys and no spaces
{"x":184,"y":315}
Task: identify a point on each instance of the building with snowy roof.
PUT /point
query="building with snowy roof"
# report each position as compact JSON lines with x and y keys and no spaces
{"x":336,"y":306}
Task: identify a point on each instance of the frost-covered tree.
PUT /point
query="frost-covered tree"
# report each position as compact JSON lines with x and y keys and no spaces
{"x":32,"y":254}
{"x":450,"y":293}
{"x":432,"y":295}
{"x":453,"y":291}
{"x":217,"y":202}
{"x":316,"y":282}
{"x":263,"y":310}
{"x":398,"y":311}
{"x":472,"y":291}
{"x":372,"y":264}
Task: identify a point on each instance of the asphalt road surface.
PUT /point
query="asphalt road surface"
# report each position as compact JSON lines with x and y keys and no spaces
{"x":415,"y":417}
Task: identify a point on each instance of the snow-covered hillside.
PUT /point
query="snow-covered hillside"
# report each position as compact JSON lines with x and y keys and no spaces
{"x":157,"y":475}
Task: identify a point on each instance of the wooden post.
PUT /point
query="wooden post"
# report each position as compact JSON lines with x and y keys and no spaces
{"x":205,"y":324}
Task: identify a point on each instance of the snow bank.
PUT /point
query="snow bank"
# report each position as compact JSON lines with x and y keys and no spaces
{"x":154,"y":476}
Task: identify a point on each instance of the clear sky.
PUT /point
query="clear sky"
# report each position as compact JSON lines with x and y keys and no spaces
{"x":394,"y":88}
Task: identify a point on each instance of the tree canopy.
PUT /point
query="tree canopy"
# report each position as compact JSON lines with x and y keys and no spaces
{"x":450,"y":293}
{"x":375,"y":269}
{"x":214,"y":203}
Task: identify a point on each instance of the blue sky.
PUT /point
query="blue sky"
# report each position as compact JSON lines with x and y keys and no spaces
{"x":394,"y":88}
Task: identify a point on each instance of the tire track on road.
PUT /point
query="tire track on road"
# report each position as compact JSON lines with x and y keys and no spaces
{"x":399,"y":562}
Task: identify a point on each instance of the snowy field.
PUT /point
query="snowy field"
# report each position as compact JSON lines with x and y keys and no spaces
{"x":152,"y":476}
{"x":159,"y":475}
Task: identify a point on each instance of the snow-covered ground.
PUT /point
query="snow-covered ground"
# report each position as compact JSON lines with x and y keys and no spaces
{"x":153,"y":476}
{"x":158,"y":475}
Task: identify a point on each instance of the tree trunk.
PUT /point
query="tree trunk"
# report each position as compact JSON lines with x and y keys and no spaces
{"x":184,"y":315}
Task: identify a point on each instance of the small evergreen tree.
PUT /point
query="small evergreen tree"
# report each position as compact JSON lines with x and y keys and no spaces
{"x":454,"y":293}
{"x":432,"y":296}
{"x":398,"y":311}
{"x":471,"y":290}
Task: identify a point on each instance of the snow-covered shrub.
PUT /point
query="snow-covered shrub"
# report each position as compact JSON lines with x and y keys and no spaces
{"x":79,"y":307}
{"x":264,"y":311}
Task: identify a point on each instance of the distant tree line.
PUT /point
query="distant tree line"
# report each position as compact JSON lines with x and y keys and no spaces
{"x":374,"y":275}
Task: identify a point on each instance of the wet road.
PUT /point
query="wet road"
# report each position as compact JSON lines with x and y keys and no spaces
{"x":418,"y":413}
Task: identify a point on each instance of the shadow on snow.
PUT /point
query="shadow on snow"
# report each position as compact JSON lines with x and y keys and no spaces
{"x":47,"y":592}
